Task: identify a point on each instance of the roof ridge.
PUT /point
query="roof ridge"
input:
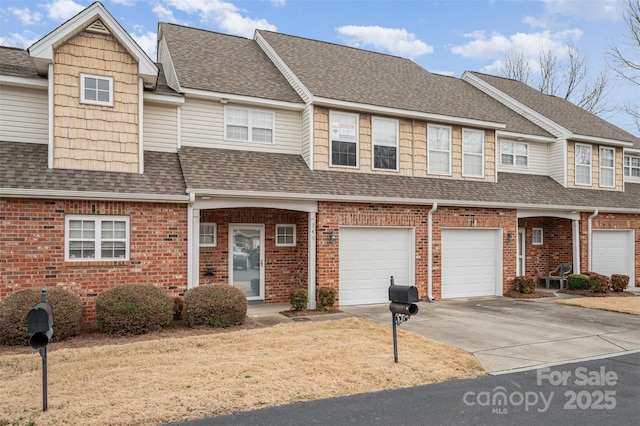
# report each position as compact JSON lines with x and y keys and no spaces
{"x":203,"y":30}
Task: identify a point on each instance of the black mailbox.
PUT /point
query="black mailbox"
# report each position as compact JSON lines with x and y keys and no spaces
{"x":40,"y":324}
{"x":403,"y":294}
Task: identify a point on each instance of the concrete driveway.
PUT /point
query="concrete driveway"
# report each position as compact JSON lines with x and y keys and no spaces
{"x":507,"y":334}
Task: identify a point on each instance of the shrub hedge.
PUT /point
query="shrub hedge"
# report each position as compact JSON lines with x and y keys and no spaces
{"x":578,"y":282}
{"x":67,"y":314}
{"x":525,"y":284}
{"x":327,"y":298}
{"x":299,"y":298}
{"x":619,"y":282}
{"x":599,"y":283}
{"x":131,"y":309}
{"x":215,"y":306}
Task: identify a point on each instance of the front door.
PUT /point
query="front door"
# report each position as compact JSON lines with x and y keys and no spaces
{"x":246,"y":259}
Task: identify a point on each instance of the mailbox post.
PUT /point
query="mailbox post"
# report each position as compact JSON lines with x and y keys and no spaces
{"x":403,"y":300}
{"x":40,"y":325}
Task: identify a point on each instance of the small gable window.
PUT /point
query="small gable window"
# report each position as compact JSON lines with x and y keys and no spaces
{"x":583,"y":164}
{"x":248,"y":125}
{"x":285,"y":235}
{"x":631,"y":166}
{"x":96,"y":90}
{"x":384,"y":133}
{"x":439,"y":141}
{"x":607,"y":167}
{"x":514,"y":154}
{"x":344,"y":139}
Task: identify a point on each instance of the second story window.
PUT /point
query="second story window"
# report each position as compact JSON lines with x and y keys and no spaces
{"x":96,"y":90}
{"x":384,"y":134}
{"x":631,"y":166}
{"x":583,"y":164}
{"x":248,"y":125}
{"x":439,"y":142}
{"x":607,"y":167}
{"x":514,"y":154}
{"x":343,"y":138}
{"x":472,"y":153}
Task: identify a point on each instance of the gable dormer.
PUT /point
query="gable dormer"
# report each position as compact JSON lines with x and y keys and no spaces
{"x":97,"y":75}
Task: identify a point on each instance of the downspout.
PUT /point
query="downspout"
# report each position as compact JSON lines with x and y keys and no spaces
{"x":190,"y":255}
{"x":430,"y":251}
{"x":595,"y":213}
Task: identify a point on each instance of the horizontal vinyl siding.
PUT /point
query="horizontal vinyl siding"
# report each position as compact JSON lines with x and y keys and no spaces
{"x":203,"y":126}
{"x":306,"y":135}
{"x":160,"y":128}
{"x":557,"y":166}
{"x":538,"y":160}
{"x":23,"y":115}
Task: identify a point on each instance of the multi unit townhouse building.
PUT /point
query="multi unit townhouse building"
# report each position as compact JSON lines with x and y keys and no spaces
{"x":280,"y":162}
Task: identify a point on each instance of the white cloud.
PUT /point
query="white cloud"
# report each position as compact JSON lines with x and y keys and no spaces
{"x":278,"y":2}
{"x":61,"y":10}
{"x":164,"y":14}
{"x":26,"y":16}
{"x":591,"y":10}
{"x":224,"y":15}
{"x":20,"y":40}
{"x":147,"y":40}
{"x":394,"y":40}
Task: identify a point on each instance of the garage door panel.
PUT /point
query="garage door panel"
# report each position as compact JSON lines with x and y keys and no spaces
{"x":613,"y":252}
{"x":368,"y":257}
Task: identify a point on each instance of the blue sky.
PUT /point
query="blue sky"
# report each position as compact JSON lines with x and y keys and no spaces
{"x":443,"y":36}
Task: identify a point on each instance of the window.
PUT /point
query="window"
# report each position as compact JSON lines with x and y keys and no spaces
{"x":536,"y":236}
{"x":472,"y":153}
{"x":384,"y":134}
{"x":607,"y":167}
{"x":285,"y":235}
{"x":96,"y":238}
{"x":344,"y":139}
{"x":632,"y":166}
{"x":514,"y":154}
{"x":248,"y":125}
{"x":96,"y":90}
{"x":583,"y":164}
{"x":439,"y":141}
{"x":208,"y":234}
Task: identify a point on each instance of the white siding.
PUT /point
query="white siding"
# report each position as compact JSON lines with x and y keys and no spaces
{"x":160,"y":128}
{"x":203,"y":126}
{"x":558,"y":162}
{"x":306,"y":135}
{"x":23,"y":115}
{"x":538,"y":159}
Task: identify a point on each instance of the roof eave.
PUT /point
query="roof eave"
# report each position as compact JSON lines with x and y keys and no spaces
{"x":91,"y":195}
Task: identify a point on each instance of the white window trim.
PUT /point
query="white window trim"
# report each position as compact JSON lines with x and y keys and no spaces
{"x":513,"y":154}
{"x":396,"y":146}
{"x":357,"y":141}
{"x":288,"y":225}
{"x":250,"y":126}
{"x":628,"y":170}
{"x":464,"y":154}
{"x":575,"y":165}
{"x":429,"y":150}
{"x":97,"y":239}
{"x":83,"y":100}
{"x":612,"y":168}
{"x":215,"y":234}
{"x":533,"y":237}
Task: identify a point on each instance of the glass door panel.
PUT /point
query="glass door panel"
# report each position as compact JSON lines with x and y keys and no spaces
{"x":246,"y":259}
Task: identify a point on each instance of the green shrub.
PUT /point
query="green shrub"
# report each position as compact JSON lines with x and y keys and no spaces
{"x":599,"y":283}
{"x":67,"y":314}
{"x":619,"y":282}
{"x":215,"y":306}
{"x":578,"y":282}
{"x":327,"y":298}
{"x":525,"y":284}
{"x":299,"y":299}
{"x":133,"y":309}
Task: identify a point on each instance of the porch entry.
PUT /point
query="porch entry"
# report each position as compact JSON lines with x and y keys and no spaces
{"x":246,"y":259}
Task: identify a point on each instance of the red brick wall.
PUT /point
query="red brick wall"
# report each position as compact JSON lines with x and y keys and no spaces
{"x":32,"y":248}
{"x":556,"y":248}
{"x":285,"y":267}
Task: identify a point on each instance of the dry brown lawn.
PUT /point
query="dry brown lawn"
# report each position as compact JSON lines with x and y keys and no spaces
{"x":172,"y":379}
{"x":628,"y":305}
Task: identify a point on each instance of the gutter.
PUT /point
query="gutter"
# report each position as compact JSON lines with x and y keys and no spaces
{"x":589,"y":238}
{"x":53,"y":194}
{"x":430,"y":251}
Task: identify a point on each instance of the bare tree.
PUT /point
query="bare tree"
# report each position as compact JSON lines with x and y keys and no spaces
{"x":514,"y":66}
{"x":626,"y":63}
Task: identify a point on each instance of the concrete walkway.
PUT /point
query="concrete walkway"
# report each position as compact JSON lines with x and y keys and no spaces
{"x":504,"y":334}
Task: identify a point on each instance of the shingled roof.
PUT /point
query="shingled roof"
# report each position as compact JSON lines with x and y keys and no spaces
{"x":558,"y":110}
{"x":348,"y":74}
{"x":206,"y":171}
{"x":23,"y":166}
{"x":216,"y":62}
{"x":17,"y":63}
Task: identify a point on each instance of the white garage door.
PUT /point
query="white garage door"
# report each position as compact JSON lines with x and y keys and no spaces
{"x":613,"y":253}
{"x":471,"y":263}
{"x":368,"y":257}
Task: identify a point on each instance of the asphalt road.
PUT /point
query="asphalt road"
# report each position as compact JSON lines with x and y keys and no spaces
{"x":595,"y":392}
